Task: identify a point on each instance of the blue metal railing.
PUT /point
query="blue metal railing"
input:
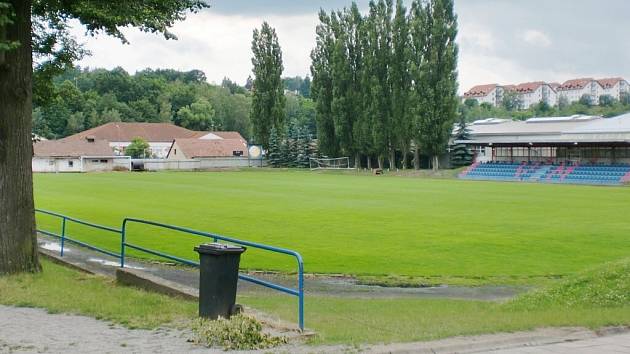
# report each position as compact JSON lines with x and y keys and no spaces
{"x":64,"y":237}
{"x":299,"y":292}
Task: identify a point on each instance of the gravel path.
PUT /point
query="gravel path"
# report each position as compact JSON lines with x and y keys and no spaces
{"x":29,"y":330}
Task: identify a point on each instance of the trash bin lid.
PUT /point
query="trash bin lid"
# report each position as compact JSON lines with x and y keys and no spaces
{"x":219,"y":248}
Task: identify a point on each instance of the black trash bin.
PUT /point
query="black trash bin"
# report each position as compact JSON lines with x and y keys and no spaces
{"x":218,"y":276}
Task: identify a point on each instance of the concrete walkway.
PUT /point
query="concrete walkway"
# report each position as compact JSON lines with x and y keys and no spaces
{"x":319,"y":285}
{"x":614,"y":344}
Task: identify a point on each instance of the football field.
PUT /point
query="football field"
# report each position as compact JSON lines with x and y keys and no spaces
{"x":445,"y":229}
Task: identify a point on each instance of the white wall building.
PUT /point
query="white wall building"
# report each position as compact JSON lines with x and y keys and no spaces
{"x":614,"y":87}
{"x":574,"y":89}
{"x":531,"y":93}
{"x":491,"y":93}
{"x":72,"y":156}
{"x":159,"y":136}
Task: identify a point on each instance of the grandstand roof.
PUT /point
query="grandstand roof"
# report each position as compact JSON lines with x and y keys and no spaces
{"x":551,"y":130}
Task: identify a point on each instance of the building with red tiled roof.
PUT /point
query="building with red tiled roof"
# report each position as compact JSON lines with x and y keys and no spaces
{"x":614,"y":87}
{"x":209,"y":153}
{"x":183,"y":149}
{"x":160,"y":136}
{"x":490,"y":93}
{"x":531,"y":93}
{"x":574,"y":89}
{"x":77,"y":155}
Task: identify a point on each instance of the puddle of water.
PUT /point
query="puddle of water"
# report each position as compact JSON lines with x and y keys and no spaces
{"x":111,"y":263}
{"x":53,"y":246}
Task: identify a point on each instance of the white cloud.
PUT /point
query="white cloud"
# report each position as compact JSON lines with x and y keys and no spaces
{"x":474,"y":37}
{"x":537,"y":38}
{"x":219,"y":45}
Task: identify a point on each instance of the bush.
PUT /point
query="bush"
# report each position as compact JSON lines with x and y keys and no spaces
{"x":240,"y":332}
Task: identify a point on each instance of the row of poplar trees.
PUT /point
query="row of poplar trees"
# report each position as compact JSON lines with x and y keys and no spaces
{"x":385,"y":84}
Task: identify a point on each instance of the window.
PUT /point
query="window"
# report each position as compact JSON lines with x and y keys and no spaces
{"x":174,"y":151}
{"x":51,"y":162}
{"x":94,"y":161}
{"x":103,"y":161}
{"x":70,"y":163}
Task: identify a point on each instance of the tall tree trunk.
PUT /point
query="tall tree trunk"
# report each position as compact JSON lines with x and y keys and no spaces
{"x":380,"y":161}
{"x":369,"y":162}
{"x":392,"y":159}
{"x":18,"y":242}
{"x":436,"y":163}
{"x":416,"y":158}
{"x":357,"y":161}
{"x":404,"y":156}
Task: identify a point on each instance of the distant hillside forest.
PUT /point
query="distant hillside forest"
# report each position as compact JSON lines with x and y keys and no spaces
{"x":607,"y":106}
{"x":82,"y":98}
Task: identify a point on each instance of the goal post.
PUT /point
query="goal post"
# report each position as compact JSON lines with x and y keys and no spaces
{"x":336,"y":163}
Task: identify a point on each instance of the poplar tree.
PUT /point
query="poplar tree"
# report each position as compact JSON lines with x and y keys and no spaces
{"x":435,"y":26}
{"x":401,"y":124}
{"x":322,"y":85}
{"x":268,"y":99}
{"x":376,"y":79}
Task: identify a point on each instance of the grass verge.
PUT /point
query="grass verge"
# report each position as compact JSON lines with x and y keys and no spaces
{"x":62,"y":290}
{"x":594,"y":298}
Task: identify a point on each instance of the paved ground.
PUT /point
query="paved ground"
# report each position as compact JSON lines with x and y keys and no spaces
{"x":28,"y":330}
{"x":612,"y":344}
{"x":320,"y":285}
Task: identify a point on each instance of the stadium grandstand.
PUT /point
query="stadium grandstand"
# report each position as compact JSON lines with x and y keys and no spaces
{"x":576,"y":149}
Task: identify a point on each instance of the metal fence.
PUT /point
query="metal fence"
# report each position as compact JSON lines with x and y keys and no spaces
{"x":123,"y":233}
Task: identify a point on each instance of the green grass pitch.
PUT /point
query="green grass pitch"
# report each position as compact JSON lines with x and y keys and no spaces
{"x":358,"y":224}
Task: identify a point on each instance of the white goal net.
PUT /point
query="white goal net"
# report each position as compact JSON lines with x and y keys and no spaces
{"x":329,"y":163}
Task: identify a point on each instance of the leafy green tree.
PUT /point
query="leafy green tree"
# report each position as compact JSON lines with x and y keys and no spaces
{"x":198,"y":116}
{"x":268,"y":93}
{"x":401,"y":122}
{"x":437,"y":23}
{"x":606,"y":100}
{"x":511,"y":101}
{"x":39,"y":28}
{"x":563,"y":102}
{"x":273,"y":153}
{"x":461,"y":155}
{"x":471,"y":102}
{"x":377,"y":81}
{"x":586,"y":100}
{"x":321,"y":87}
{"x":305,"y":88}
{"x":138,"y":149}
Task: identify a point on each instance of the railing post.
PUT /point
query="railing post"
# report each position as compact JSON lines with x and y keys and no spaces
{"x":122,"y":243}
{"x":63,"y":234}
{"x":301,"y":295}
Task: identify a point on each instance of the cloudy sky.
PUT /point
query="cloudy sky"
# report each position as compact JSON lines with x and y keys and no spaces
{"x":501,"y":41}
